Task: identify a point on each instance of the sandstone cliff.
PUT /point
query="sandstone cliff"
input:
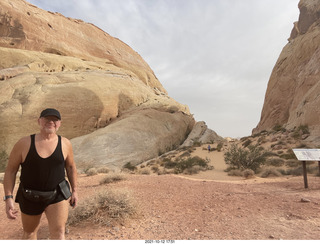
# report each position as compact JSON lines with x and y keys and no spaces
{"x":112,"y":104}
{"x":24,"y":26}
{"x":292,"y":97}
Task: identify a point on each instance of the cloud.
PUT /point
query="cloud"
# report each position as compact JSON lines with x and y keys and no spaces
{"x":216,"y":56}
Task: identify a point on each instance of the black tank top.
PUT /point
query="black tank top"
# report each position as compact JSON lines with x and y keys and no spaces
{"x":43,"y":174}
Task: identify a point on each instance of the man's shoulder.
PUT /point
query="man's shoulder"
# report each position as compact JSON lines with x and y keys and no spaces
{"x":65,"y":141}
{"x":24,"y":140}
{"x":23,"y":143}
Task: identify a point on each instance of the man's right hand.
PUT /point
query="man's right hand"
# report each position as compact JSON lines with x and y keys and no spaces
{"x":10,"y":210}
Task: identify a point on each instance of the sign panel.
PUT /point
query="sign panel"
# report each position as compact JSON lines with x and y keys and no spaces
{"x":307,"y":154}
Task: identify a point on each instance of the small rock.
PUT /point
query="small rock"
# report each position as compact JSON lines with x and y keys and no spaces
{"x":305,"y":200}
{"x":271,"y":236}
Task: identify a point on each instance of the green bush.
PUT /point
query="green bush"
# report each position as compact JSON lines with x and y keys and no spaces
{"x":250,"y":158}
{"x":289,"y":155}
{"x":246,"y":143}
{"x":278,"y":127}
{"x":219,"y":146}
{"x":276,"y":162}
{"x":181,"y":164}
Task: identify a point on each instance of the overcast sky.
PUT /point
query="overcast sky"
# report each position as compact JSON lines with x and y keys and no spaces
{"x":215,"y":56}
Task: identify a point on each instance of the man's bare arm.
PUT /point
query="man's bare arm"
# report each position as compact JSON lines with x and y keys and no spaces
{"x":71,"y":171}
{"x":15,"y":159}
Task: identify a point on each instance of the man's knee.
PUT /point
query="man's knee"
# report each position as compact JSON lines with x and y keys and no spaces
{"x":29,"y":235}
{"x":57,"y":233}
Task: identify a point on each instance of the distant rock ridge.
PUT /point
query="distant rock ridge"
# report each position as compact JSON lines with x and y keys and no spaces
{"x":113,"y":107}
{"x":292,"y":96}
{"x":201,"y":133}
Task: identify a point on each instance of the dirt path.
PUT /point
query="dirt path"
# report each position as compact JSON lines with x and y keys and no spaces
{"x":175,"y":208}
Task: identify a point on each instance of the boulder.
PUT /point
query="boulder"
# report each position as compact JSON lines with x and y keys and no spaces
{"x":201,"y":133}
{"x":112,"y":105}
{"x":133,"y":138}
{"x":292,"y":96}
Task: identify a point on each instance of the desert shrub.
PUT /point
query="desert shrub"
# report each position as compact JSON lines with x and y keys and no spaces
{"x":103,"y":170}
{"x":185,"y":154}
{"x":106,"y":207}
{"x":219,"y":146}
{"x":3,"y":160}
{"x":155,"y":168}
{"x":250,"y":158}
{"x":165,"y":171}
{"x":181,"y":164}
{"x":91,"y":172}
{"x":112,"y":178}
{"x":129,"y":166}
{"x":144,"y":171}
{"x":196,"y":143}
{"x":275,"y":162}
{"x":301,"y":130}
{"x":278,"y":127}
{"x":295,"y":171}
{"x":304,"y":129}
{"x":270,"y":173}
{"x":235,"y":172}
{"x":169,"y":164}
{"x":289,"y":155}
{"x":193,"y":170}
{"x":293,"y":163}
{"x":248,"y":173}
{"x":246,"y":143}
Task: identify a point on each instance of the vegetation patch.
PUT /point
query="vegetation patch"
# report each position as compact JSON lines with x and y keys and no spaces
{"x":251,"y":157}
{"x":107,"y":207}
{"x":111,"y":178}
{"x":188,"y":165}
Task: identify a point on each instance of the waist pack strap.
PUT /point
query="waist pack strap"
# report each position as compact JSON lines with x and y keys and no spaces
{"x":38,"y":196}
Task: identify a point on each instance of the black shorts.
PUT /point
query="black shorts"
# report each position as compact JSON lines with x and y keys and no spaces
{"x":35,"y":208}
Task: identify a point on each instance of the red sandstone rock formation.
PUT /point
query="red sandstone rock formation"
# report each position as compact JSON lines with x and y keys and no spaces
{"x":293,"y":94}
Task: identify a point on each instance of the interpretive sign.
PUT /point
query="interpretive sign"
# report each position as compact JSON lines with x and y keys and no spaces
{"x":307,"y":154}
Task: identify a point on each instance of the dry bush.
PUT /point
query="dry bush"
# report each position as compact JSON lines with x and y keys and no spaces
{"x":103,"y":170}
{"x":276,"y":162}
{"x":235,"y":172}
{"x":270,"y":173}
{"x":112,"y":178}
{"x":155,"y":168}
{"x":248,"y":173}
{"x":144,"y":171}
{"x":107,"y":207}
{"x":164,"y":171}
{"x":193,"y":170}
{"x":91,"y":172}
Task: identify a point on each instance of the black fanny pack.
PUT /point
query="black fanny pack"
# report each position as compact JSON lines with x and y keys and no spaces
{"x":38,"y":196}
{"x":47,"y":196}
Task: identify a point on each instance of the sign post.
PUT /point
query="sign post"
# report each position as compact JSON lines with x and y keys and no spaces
{"x":305,"y":155}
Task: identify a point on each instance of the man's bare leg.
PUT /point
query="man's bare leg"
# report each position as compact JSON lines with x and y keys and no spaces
{"x":57,"y":215}
{"x":30,"y":224}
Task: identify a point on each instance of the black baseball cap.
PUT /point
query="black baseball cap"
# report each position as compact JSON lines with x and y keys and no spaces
{"x":50,"y":112}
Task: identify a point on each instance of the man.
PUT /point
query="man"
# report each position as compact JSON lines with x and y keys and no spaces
{"x":43,"y":157}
